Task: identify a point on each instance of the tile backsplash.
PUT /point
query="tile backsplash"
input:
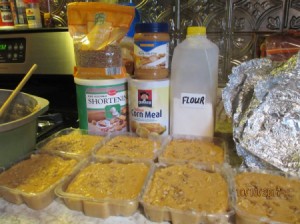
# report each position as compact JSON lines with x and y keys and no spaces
{"x":236,"y":26}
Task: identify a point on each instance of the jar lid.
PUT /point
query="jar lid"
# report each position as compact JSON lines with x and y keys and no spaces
{"x":151,"y":28}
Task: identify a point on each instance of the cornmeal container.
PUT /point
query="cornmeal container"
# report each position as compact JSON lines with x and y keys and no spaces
{"x":205,"y":151}
{"x":32,"y":181}
{"x":186,"y":193}
{"x":129,"y":147}
{"x":71,"y":142}
{"x":149,"y":107}
{"x":266,"y":196}
{"x":105,"y":189}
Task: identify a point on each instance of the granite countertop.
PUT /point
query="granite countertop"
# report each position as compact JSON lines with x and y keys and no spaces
{"x":58,"y":213}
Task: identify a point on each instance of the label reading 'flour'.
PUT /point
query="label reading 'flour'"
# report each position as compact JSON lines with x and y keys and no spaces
{"x":193,"y":100}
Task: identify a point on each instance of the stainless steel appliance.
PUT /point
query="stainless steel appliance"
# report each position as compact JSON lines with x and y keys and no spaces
{"x":50,"y":49}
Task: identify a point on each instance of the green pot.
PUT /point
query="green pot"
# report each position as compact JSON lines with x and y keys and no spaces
{"x":18,"y":137}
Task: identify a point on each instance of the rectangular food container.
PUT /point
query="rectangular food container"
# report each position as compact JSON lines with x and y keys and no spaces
{"x":217,"y":141}
{"x":18,"y":137}
{"x":176,"y":216}
{"x":35,"y":201}
{"x":157,"y":144}
{"x":60,"y":149}
{"x":243,"y":217}
{"x":101,"y":208}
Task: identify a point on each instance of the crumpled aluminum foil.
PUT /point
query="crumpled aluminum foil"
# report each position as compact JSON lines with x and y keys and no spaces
{"x":263,"y":100}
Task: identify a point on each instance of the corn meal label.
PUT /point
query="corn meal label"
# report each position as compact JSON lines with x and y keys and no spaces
{"x":149,"y":107}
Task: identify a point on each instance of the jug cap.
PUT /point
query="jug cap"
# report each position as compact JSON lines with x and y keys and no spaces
{"x":196,"y":30}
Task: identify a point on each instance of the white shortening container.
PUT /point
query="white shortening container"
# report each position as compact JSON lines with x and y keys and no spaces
{"x":193,"y":87}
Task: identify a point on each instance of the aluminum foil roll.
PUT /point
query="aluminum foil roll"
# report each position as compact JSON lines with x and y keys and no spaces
{"x":263,"y":100}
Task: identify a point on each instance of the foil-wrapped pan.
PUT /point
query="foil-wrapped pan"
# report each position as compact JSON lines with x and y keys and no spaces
{"x":263,"y":99}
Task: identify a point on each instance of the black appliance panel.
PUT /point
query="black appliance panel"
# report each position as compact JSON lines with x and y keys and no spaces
{"x":12,"y":50}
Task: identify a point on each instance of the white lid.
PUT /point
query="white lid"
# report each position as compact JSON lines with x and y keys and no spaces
{"x":99,"y":82}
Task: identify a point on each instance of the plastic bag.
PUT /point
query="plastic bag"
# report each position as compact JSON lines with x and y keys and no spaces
{"x":96,"y":29}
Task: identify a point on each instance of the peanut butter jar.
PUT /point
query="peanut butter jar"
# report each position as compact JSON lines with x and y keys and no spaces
{"x":151,"y":51}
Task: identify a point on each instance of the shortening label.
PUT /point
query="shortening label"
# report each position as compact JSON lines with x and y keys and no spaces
{"x":102,"y":100}
{"x":192,"y":100}
{"x":151,"y":54}
{"x":103,"y":109}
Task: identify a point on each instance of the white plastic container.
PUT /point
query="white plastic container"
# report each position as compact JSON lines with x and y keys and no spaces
{"x":194,"y":82}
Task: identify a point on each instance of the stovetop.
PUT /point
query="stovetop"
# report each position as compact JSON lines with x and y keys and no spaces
{"x":51,"y":122}
{"x":59,"y":90}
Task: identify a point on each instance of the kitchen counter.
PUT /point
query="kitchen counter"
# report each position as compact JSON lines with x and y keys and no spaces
{"x":58,"y":213}
{"x":60,"y":91}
